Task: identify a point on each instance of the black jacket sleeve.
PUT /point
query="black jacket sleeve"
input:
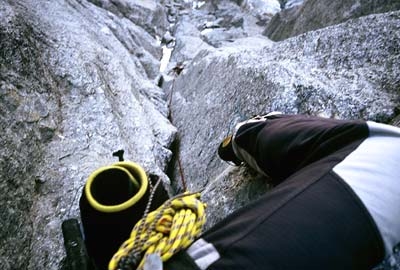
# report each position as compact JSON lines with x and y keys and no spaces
{"x":283,"y":144}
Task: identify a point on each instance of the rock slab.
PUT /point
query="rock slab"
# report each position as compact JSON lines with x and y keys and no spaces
{"x":315,"y":14}
{"x":75,"y":86}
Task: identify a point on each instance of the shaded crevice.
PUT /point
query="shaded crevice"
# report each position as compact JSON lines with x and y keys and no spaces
{"x":172,"y":170}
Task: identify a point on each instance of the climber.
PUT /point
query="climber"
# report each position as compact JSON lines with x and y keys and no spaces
{"x":335,"y":202}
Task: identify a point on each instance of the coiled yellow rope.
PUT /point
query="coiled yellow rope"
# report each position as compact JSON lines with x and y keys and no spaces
{"x":165,"y":231}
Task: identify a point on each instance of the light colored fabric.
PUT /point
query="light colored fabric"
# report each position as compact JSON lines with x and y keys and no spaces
{"x":373,"y":172}
{"x":203,"y":253}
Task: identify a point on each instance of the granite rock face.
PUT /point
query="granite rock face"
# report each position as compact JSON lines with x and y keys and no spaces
{"x":78,"y":81}
{"x":75,"y":85}
{"x":219,"y":25}
{"x":316,"y":14}
{"x":149,"y":15}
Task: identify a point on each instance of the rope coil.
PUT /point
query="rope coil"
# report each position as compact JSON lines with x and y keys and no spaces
{"x":165,"y":231}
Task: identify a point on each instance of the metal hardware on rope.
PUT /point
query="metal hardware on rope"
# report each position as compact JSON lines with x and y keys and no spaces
{"x":146,"y":212}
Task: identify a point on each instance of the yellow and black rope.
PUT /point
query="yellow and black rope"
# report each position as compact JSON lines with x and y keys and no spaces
{"x":165,"y":231}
